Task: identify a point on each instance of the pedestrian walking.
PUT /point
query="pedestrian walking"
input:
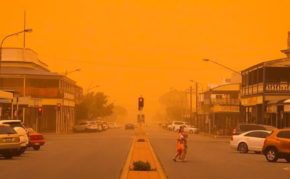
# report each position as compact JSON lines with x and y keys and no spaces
{"x":183,"y":155}
{"x":180,"y":145}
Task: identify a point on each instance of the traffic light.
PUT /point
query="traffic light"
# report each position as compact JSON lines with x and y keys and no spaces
{"x":39,"y":111}
{"x":58,"y":106}
{"x":140,"y":103}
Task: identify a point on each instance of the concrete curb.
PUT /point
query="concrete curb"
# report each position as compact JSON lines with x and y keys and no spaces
{"x":126,"y":167}
{"x":142,"y":152}
{"x":159,"y":167}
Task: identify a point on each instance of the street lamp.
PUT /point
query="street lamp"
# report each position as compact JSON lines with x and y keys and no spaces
{"x":6,"y":37}
{"x":224,"y":66}
{"x":68,"y":72}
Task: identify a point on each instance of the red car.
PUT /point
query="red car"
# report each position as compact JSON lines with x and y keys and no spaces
{"x":36,"y":140}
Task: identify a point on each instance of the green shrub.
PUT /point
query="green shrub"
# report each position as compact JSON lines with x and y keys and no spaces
{"x":141,"y":166}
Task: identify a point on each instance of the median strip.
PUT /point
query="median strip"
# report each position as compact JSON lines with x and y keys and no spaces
{"x":142,"y":162}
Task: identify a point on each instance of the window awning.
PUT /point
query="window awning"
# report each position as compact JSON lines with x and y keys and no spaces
{"x":6,"y":95}
{"x":6,"y":101}
{"x":279,"y":102}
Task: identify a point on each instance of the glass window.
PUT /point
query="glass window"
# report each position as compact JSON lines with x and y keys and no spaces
{"x":252,"y":134}
{"x":258,"y":134}
{"x":284,"y":134}
{"x":14,"y":124}
{"x":7,"y":130}
{"x":264,"y":134}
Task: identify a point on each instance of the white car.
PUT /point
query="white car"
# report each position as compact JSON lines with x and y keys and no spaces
{"x":21,"y":131}
{"x":87,"y":126}
{"x":175,"y":125}
{"x":190,"y":129}
{"x":249,"y":141}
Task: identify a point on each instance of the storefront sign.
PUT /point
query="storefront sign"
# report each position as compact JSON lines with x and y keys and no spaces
{"x":218,"y":108}
{"x":251,"y":101}
{"x":278,"y":87}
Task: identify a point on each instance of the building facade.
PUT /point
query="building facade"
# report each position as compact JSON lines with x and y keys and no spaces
{"x":42,"y":99}
{"x":265,"y":92}
{"x":219,"y":109}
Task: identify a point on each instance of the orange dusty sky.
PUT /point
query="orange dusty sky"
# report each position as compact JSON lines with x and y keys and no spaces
{"x":147,"y":47}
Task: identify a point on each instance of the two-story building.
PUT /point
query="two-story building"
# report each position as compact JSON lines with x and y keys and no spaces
{"x":265,"y":93}
{"x":42,"y":99}
{"x":219,"y":109}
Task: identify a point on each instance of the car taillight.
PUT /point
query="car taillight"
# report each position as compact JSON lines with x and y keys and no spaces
{"x":36,"y":137}
{"x":234,"y":131}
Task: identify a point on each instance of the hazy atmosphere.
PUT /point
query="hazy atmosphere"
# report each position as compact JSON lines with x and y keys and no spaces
{"x":132,"y":48}
{"x":139,"y":89}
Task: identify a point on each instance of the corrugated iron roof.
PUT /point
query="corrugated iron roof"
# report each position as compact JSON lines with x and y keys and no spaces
{"x":26,"y":71}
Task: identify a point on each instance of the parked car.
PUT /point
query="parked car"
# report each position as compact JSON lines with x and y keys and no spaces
{"x":175,"y":125}
{"x":80,"y":126}
{"x":113,"y":125}
{"x":277,"y":145}
{"x":129,"y":126}
{"x":249,"y":141}
{"x":21,"y":131}
{"x":190,"y":129}
{"x":36,"y":140}
{"x":87,"y":126}
{"x":105,"y":125}
{"x":241,"y":128}
{"x":9,"y":141}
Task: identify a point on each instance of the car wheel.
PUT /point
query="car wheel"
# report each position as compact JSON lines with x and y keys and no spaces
{"x":8,"y":155}
{"x":20,"y":151}
{"x":36,"y":147}
{"x":243,"y":148}
{"x":271,"y":155}
{"x":287,"y":159}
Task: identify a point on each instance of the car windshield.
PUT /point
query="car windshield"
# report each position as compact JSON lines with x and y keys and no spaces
{"x":7,"y":130}
{"x":14,"y":124}
{"x":178,"y":123}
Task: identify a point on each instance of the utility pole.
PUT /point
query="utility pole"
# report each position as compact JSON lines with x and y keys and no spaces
{"x":190,"y":103}
{"x":196,"y":104}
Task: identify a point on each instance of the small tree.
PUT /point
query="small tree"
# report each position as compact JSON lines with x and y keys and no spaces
{"x":94,"y":105}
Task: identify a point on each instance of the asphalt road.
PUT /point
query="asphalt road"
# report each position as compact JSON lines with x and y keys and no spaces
{"x":74,"y":156}
{"x":210,"y":158}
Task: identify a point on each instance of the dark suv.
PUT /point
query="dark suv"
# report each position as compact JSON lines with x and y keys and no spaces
{"x":241,"y":128}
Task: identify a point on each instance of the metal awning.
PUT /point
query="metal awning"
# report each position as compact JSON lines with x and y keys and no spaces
{"x":6,"y":101}
{"x":6,"y":95}
{"x":286,"y":101}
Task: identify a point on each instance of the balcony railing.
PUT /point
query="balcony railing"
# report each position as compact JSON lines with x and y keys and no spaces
{"x":253,"y":89}
{"x":225,"y":101}
{"x":277,"y":87}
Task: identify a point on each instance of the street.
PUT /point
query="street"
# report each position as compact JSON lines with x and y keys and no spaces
{"x":72,"y":156}
{"x":210,"y":158}
{"x":102,"y":155}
